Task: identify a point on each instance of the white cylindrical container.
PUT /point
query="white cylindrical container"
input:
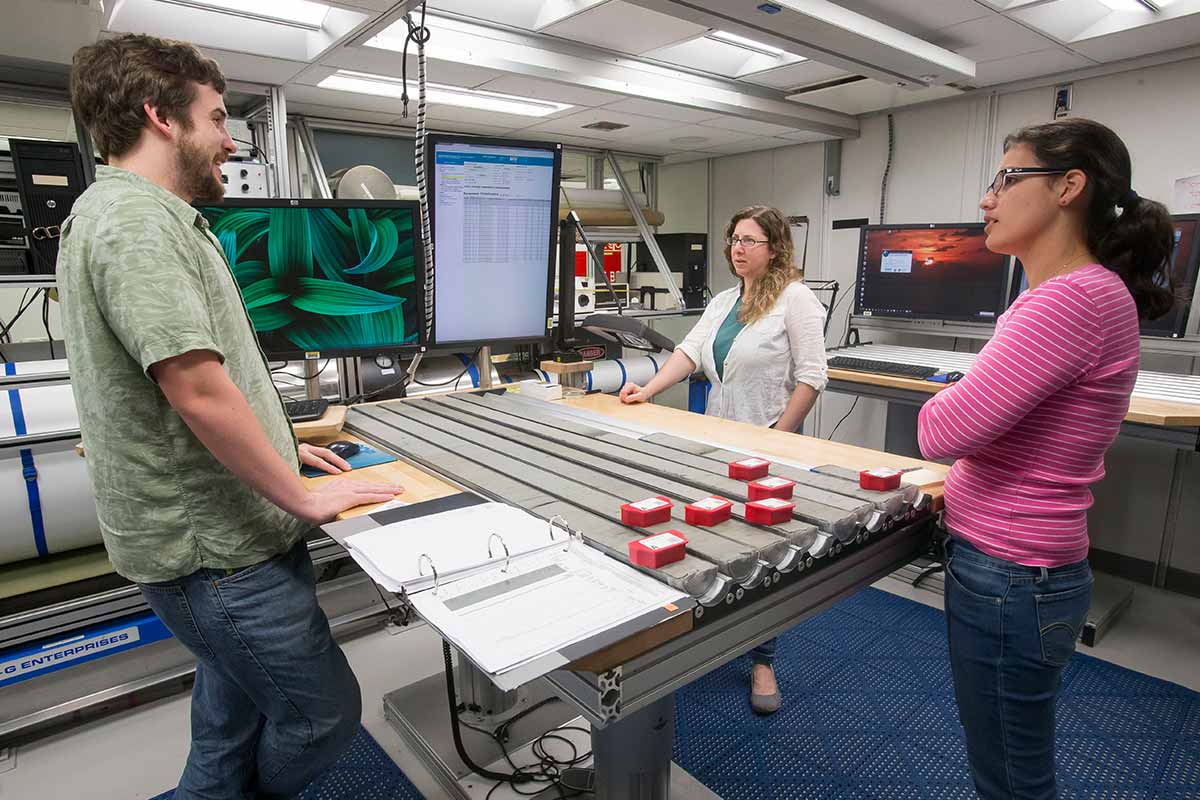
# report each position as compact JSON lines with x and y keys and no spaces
{"x":63,"y":492}
{"x":610,"y":374}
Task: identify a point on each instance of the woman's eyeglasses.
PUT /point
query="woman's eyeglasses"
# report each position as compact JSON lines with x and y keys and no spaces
{"x":1008,"y":174}
{"x":744,"y":241}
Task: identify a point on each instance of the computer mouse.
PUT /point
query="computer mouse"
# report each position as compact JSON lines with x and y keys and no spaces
{"x":952,"y":377}
{"x":344,"y":449}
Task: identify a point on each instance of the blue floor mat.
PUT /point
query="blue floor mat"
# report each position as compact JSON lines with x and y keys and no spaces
{"x":869,"y":714}
{"x":364,"y":772}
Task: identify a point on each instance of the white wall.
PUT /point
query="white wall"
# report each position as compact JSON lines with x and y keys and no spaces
{"x":944,"y":154}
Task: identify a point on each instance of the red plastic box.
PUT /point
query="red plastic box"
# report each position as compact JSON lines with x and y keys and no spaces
{"x":658,"y":550}
{"x":763,"y":488}
{"x":709,"y":511}
{"x":644,"y":513}
{"x":769,"y":512}
{"x":748,"y":469}
{"x":880,"y":479}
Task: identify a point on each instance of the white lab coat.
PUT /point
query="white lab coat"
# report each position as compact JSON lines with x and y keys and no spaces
{"x":767,"y":359}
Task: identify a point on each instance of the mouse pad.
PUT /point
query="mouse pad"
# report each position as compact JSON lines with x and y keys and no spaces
{"x":365,"y":457}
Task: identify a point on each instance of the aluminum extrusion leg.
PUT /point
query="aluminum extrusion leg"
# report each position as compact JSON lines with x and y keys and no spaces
{"x":633,"y":755}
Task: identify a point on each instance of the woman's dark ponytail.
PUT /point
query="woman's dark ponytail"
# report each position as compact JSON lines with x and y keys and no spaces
{"x":1137,"y":241}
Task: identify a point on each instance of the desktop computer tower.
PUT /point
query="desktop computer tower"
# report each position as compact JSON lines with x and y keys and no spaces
{"x":49,"y":177}
{"x":686,"y":253}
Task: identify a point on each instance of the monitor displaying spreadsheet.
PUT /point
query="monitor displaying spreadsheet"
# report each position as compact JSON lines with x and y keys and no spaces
{"x":494,"y":215}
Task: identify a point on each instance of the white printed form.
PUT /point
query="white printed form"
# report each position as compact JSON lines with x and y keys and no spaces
{"x":545,"y":602}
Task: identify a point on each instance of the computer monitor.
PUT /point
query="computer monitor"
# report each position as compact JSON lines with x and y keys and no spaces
{"x":929,"y":271}
{"x":493,"y":208}
{"x":1018,"y":283}
{"x":326,"y":278}
{"x":1185,"y":264}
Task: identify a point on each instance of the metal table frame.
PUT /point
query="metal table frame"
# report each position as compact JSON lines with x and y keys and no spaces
{"x":630,"y":708}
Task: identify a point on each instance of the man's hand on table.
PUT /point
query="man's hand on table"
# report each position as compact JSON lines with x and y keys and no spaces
{"x":325,"y":502}
{"x":323,"y":459}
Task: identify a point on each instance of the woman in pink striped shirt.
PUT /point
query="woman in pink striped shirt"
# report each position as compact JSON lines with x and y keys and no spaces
{"x":1029,"y":426}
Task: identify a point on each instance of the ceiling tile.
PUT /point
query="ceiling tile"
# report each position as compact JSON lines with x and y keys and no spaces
{"x":625,"y":28}
{"x":1062,"y":19}
{"x":918,"y":17}
{"x":342,"y":113}
{"x":481,"y":117}
{"x":667,"y":111}
{"x":869,"y":95}
{"x":800,"y":137}
{"x":749,"y":145}
{"x":803,"y":74}
{"x":695,"y":137}
{"x":1029,"y":65}
{"x":718,"y":58}
{"x":385,"y":62}
{"x":298,"y":93}
{"x":682,"y":158}
{"x":259,"y":69}
{"x":519,"y":13}
{"x":750,"y":126}
{"x":549,"y":90}
{"x":572,"y":124}
{"x":1166,"y":35}
{"x":990,"y":38}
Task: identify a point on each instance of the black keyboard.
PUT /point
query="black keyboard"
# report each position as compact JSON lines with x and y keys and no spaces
{"x":883,"y":367}
{"x":305,"y":410}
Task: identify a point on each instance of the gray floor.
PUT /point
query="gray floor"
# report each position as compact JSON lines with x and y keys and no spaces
{"x":139,"y":753}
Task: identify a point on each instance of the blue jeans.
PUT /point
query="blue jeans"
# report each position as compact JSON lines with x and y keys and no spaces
{"x":764,"y":653}
{"x":275,"y":701}
{"x":1012,"y":629}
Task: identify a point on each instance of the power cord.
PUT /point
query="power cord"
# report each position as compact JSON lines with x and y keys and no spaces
{"x":420,"y":34}
{"x":887,"y":170}
{"x":843,"y":419}
{"x":457,"y":377}
{"x":284,"y":371}
{"x":46,"y":321}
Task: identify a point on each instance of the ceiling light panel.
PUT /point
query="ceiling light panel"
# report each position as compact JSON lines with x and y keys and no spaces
{"x":626,"y":28}
{"x":304,"y":13}
{"x":437,"y":94}
{"x":746,"y":44}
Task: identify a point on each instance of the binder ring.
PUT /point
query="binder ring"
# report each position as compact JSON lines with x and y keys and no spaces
{"x":502,"y":544}
{"x":562,"y":523}
{"x":420,"y":570}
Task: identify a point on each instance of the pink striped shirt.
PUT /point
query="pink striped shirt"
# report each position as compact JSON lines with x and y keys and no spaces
{"x":1031,"y":421}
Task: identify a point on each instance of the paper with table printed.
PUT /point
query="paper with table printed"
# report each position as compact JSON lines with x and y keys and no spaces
{"x":513,"y":613}
{"x":544,"y":603}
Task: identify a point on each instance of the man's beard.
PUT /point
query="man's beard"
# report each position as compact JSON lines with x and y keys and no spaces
{"x":196,"y":179}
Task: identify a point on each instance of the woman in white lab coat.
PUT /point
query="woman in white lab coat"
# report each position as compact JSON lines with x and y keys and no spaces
{"x":761,"y":344}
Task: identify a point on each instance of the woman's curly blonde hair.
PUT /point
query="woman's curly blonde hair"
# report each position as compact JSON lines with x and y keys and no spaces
{"x":780,"y":271}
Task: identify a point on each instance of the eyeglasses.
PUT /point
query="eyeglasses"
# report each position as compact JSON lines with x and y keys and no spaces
{"x":744,"y":241}
{"x":1004,"y":176}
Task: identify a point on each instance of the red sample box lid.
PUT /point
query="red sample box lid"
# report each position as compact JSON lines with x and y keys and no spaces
{"x":658,"y":550}
{"x":769,"y":512}
{"x":707,"y":512}
{"x":763,"y":488}
{"x":879,"y":479}
{"x":747,"y":469}
{"x":644,"y":513}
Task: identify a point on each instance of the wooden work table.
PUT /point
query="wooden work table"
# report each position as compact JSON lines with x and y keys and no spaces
{"x":420,"y":485}
{"x":1143,"y":411}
